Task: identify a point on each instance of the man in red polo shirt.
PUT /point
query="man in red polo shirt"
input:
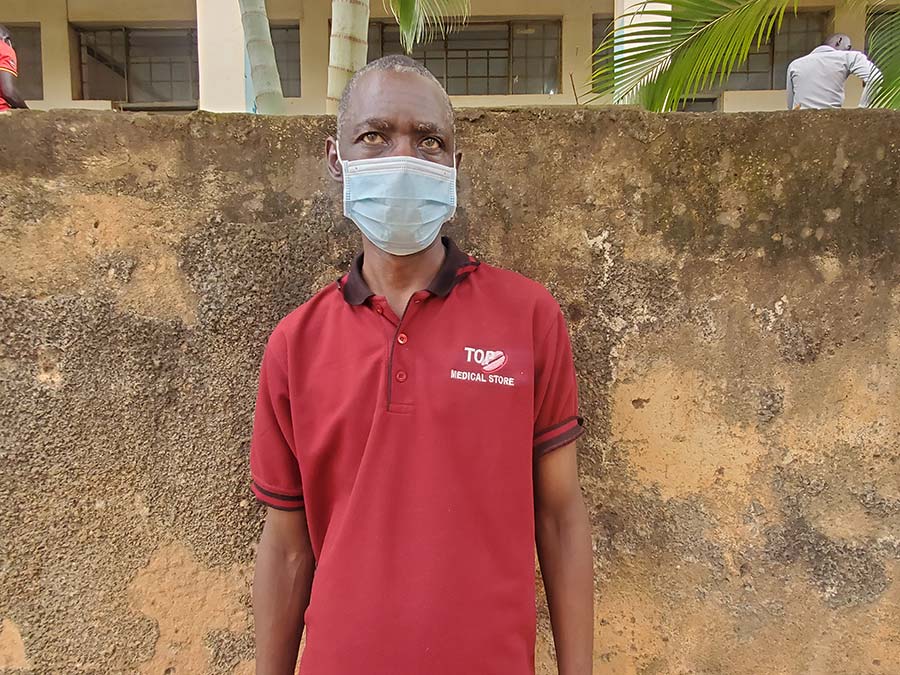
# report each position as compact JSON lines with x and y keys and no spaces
{"x":9,"y":71}
{"x":414,"y":432}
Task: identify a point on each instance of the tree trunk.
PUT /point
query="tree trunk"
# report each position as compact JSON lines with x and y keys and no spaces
{"x":267,"y":94}
{"x":348,"y":47}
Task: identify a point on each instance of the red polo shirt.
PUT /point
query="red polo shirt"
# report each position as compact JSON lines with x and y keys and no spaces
{"x":9,"y":65}
{"x":410,"y":443}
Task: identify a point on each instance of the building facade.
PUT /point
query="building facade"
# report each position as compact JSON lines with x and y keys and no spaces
{"x":176,"y":55}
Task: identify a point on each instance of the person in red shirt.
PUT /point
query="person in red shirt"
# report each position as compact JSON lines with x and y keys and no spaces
{"x":9,"y":71}
{"x":414,"y":432}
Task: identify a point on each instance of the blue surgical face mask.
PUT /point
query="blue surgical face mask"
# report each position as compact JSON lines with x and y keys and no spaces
{"x":399,"y":203}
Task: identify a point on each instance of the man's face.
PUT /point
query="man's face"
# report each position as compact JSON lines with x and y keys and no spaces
{"x":393,"y":114}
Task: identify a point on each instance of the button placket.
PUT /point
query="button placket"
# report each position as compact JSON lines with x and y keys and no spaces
{"x":400,"y":364}
{"x":400,"y":356}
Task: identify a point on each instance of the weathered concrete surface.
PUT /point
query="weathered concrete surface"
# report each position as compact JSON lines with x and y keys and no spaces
{"x":732,"y":288}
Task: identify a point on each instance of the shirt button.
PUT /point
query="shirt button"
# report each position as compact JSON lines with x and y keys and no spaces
{"x":402,"y":338}
{"x":379,"y":309}
{"x":401,"y":376}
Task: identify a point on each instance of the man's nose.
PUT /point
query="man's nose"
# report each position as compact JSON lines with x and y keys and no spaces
{"x":405,"y":147}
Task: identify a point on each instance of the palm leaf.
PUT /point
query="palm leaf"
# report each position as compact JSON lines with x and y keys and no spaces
{"x":884,"y":50}
{"x":420,"y":20}
{"x":658,"y":57}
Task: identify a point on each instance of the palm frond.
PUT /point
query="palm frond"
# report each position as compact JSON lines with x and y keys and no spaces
{"x":658,"y":57}
{"x":420,"y":20}
{"x":884,"y":50}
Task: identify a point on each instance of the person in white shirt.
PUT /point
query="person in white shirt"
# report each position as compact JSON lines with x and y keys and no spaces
{"x":817,"y":80}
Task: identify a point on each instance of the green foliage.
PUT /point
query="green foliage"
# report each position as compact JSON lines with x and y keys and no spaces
{"x":419,"y":20}
{"x":884,"y":51}
{"x":660,"y":57}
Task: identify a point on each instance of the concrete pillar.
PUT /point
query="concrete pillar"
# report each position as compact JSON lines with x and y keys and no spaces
{"x":624,"y":7}
{"x":220,"y":51}
{"x":314,"y":36}
{"x":577,"y":47}
{"x":55,"y":54}
{"x":629,"y":6}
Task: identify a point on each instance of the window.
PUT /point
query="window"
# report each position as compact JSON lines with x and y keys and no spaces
{"x":705,"y":104}
{"x":103,"y":65}
{"x":286,"y":40}
{"x":766,"y":66}
{"x":536,"y":58}
{"x":514,"y":57}
{"x":602,"y":26}
{"x":140,"y":67}
{"x":27,"y":43}
{"x":754,"y":73}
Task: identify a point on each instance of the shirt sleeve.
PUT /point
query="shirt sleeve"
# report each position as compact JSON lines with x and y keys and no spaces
{"x":790,"y":89}
{"x":8,"y":61}
{"x":861,"y":66}
{"x":556,"y":420}
{"x":873,"y":84}
{"x":273,"y":459}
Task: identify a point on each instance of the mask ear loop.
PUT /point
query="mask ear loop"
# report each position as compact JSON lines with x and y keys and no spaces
{"x":343,"y":164}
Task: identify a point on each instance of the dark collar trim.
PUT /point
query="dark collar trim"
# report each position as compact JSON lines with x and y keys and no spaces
{"x":356,"y":290}
{"x":456,"y":267}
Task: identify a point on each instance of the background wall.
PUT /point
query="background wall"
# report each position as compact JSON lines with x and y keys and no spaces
{"x":731,"y":284}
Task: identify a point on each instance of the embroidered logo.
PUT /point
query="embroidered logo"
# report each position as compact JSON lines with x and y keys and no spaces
{"x":490,"y":360}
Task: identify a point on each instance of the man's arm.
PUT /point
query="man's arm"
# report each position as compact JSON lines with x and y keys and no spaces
{"x":281,"y":589}
{"x":9,"y":90}
{"x":860,"y":66}
{"x":563,"y":535}
{"x":790,"y":89}
{"x":868,"y":72}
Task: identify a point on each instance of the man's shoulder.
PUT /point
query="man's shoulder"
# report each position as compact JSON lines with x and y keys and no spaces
{"x":7,"y":54}
{"x":513,"y":286}
{"x":801,"y":59}
{"x":313,"y":309}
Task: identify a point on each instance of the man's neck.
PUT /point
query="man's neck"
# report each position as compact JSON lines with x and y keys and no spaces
{"x":398,"y":277}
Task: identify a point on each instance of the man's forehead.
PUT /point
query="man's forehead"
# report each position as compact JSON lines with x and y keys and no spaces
{"x":395,"y":98}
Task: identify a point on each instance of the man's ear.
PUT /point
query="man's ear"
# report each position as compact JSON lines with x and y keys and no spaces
{"x":335,"y":170}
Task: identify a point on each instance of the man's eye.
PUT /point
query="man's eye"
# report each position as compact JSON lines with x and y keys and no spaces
{"x":371,"y":138}
{"x":431,"y":143}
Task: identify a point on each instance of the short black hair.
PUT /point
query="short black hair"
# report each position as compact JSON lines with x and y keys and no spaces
{"x":397,"y":63}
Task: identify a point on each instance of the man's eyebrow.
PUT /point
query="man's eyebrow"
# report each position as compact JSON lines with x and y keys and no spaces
{"x":428,"y":128}
{"x":375,"y":123}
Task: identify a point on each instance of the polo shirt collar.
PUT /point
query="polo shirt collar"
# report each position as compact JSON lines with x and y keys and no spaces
{"x":457,"y":266}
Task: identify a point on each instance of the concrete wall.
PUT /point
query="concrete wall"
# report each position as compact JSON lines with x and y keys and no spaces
{"x":731,"y":284}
